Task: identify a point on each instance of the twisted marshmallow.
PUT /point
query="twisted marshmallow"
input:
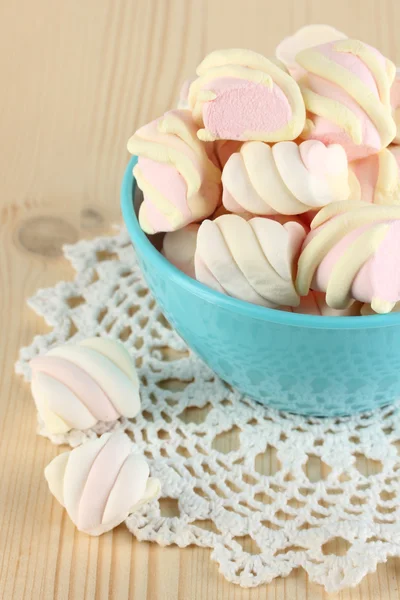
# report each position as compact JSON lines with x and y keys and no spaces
{"x":252,"y":260}
{"x":180,"y":246}
{"x":353,"y":253}
{"x":306,"y":37}
{"x":76,"y":385}
{"x":377,"y":177}
{"x":241,"y":95}
{"x":101,"y":482}
{"x":347,"y":96}
{"x":285,"y":178}
{"x":179,"y":181}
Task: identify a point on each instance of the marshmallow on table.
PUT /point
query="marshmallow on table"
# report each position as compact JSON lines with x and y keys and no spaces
{"x":101,"y":482}
{"x":377,"y":177}
{"x":252,"y":260}
{"x":241,"y":95}
{"x":347,"y":95}
{"x":353,"y":253}
{"x":285,"y":178}
{"x":179,"y":181}
{"x":305,"y":37}
{"x":76,"y":385}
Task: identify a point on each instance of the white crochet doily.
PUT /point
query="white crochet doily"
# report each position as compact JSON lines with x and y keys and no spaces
{"x":266,"y":491}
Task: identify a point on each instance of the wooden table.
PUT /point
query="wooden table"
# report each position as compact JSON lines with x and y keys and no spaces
{"x":78,"y":77}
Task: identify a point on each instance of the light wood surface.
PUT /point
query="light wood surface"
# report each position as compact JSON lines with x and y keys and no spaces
{"x":77,"y":78}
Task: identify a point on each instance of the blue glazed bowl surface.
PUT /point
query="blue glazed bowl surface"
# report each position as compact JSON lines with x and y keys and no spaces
{"x":306,"y":364}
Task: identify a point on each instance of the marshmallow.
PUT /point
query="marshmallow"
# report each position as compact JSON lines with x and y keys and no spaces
{"x":252,"y":260}
{"x":77,"y":385}
{"x":101,"y":482}
{"x":353,"y":253}
{"x":179,"y":247}
{"x":305,"y":37}
{"x":347,"y":96}
{"x":179,"y":181}
{"x":285,"y":178}
{"x":241,"y":95}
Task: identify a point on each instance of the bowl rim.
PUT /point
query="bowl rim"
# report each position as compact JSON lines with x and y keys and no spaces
{"x":145,"y":247}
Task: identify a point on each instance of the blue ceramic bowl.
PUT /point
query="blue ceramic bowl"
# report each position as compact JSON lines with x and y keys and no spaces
{"x":312,"y":365}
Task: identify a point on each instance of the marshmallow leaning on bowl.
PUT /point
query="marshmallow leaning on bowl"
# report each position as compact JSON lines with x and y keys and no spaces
{"x":180,"y":182}
{"x":179,"y":247}
{"x":77,"y":385}
{"x":250,"y":259}
{"x":101,"y":482}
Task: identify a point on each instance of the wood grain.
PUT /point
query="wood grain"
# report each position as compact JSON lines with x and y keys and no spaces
{"x":77,"y":78}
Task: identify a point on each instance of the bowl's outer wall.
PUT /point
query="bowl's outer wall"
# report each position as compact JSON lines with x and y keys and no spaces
{"x":312,"y":371}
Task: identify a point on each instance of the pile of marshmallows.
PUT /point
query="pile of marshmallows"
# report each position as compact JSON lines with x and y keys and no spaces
{"x":277,"y":181}
{"x":78,"y":387}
